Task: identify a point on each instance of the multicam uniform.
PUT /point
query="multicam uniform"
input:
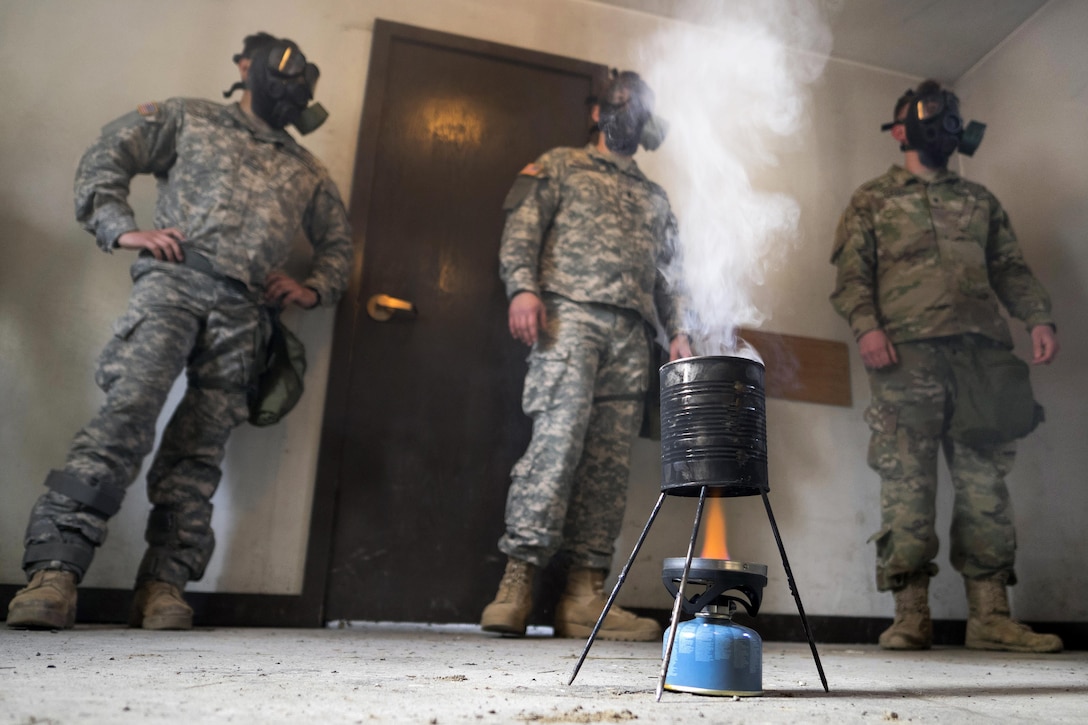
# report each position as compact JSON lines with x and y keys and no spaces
{"x":929,"y":263}
{"x":240,"y":193}
{"x":586,"y":232}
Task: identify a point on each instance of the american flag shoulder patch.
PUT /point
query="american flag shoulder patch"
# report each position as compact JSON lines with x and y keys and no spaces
{"x":148,"y":109}
{"x":531,"y":170}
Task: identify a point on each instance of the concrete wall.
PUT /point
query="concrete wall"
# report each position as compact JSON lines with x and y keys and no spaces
{"x":75,"y":65}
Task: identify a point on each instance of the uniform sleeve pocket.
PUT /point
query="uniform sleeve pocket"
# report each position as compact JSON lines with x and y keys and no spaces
{"x":523,"y":186}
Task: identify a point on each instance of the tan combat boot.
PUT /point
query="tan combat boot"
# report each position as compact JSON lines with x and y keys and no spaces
{"x":47,"y":602}
{"x":582,"y":603}
{"x":159,"y":605}
{"x":509,"y":612}
{"x":912,"y":628}
{"x":989,"y":625}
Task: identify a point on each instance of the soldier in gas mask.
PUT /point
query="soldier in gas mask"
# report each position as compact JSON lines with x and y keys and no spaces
{"x":235,"y":190}
{"x":925,"y":261}
{"x":585,"y":237}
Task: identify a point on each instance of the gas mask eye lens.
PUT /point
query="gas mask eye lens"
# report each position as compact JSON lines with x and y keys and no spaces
{"x":284,"y":60}
{"x":929,"y":107}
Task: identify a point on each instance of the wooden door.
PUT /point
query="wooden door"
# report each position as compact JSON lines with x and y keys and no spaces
{"x":423,"y":418}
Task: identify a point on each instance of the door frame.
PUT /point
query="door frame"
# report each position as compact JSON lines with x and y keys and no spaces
{"x":323,"y":519}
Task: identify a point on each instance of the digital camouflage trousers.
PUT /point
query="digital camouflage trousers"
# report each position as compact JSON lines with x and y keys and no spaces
{"x":912,"y":403}
{"x":584,"y":390}
{"x":177,"y":320}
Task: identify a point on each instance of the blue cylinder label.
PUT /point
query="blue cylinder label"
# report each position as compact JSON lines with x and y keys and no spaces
{"x":715,"y":657}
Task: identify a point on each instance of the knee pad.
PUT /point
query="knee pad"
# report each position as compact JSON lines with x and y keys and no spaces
{"x":68,"y":523}
{"x":97,"y":499}
{"x":75,"y":557}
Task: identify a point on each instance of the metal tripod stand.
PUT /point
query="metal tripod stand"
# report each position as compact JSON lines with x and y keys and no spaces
{"x":683,"y":583}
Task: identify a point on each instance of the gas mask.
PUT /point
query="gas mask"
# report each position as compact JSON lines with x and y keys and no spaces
{"x":281,"y":84}
{"x":626,"y":118}
{"x":935,"y":129}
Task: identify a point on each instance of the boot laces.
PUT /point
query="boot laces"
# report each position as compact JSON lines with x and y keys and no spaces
{"x":515,"y":579}
{"x":56,"y":579}
{"x":992,"y":600}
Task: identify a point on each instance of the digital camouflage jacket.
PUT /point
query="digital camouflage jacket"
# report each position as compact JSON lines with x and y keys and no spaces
{"x":591,"y":227}
{"x":241,"y":194}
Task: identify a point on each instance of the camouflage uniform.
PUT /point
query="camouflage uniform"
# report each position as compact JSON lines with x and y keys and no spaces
{"x":586,"y":232}
{"x":930,"y":263}
{"x":240,"y":193}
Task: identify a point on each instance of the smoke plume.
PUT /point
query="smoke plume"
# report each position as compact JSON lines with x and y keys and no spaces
{"x":733,"y":87}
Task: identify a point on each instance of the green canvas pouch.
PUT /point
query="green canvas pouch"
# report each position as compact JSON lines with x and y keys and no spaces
{"x":994,"y":400}
{"x":280,"y":370}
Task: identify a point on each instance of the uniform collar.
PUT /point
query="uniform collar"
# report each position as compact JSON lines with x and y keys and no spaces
{"x":903,"y":177}
{"x":626,"y":164}
{"x":259,"y":130}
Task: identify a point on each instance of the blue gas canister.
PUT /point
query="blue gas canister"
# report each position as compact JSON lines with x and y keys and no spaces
{"x":713,"y":655}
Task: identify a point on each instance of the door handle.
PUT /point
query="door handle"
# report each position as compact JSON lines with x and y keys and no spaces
{"x":382,"y":307}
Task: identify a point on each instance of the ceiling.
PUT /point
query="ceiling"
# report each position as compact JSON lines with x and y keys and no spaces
{"x":940,"y":39}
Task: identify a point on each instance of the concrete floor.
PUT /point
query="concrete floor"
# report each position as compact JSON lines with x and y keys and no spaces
{"x":446,"y":674}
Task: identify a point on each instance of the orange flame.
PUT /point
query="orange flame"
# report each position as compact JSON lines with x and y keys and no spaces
{"x":714,"y":536}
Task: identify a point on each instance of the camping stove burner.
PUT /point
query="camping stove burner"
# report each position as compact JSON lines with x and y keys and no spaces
{"x":711,"y":654}
{"x":719,"y":576}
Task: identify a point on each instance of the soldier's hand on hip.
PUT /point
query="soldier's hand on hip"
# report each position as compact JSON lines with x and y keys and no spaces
{"x":527,"y":317}
{"x":165,"y":244}
{"x":283,"y":290}
{"x":1044,"y":344}
{"x":877,"y":351}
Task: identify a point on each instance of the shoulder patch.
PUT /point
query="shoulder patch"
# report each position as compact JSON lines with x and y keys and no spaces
{"x":532,"y":170}
{"x":524,"y":186}
{"x":148,"y":109}
{"x":129,"y":119}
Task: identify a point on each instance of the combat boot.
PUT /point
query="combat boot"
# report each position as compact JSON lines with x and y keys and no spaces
{"x":47,"y":602}
{"x":990,"y":627}
{"x":159,"y":605}
{"x":582,"y":603}
{"x":509,"y":613}
{"x":912,"y":627}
